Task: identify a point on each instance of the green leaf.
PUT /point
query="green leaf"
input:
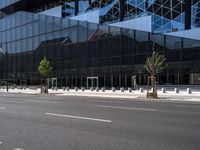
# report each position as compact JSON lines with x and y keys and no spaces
{"x":44,"y":67}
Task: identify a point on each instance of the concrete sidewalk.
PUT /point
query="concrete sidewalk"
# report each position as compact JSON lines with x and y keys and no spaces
{"x":169,"y":95}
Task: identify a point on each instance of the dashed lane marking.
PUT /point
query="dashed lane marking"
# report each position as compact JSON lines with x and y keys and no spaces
{"x":186,"y":106}
{"x":127,"y":108}
{"x":2,"y":108}
{"x":106,"y":101}
{"x":79,"y":117}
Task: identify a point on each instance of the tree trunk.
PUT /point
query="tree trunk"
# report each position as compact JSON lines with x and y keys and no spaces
{"x":41,"y":86}
{"x":153,"y":77}
{"x":46,"y":88}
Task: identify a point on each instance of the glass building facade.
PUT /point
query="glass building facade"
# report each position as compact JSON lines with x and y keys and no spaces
{"x":86,"y":54}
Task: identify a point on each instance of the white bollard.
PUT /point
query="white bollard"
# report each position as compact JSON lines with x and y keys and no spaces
{"x":189,"y":90}
{"x":67,"y":88}
{"x":163,"y":90}
{"x":64,"y":88}
{"x":130,"y":90}
{"x":141,"y":90}
{"x":176,"y":90}
{"x":56,"y":88}
{"x":82,"y":89}
{"x":122,"y":89}
{"x":91,"y":88}
{"x":113,"y":89}
{"x":76,"y":88}
{"x":97,"y":89}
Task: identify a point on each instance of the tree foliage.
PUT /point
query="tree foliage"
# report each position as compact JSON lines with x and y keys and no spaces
{"x":155,"y":64}
{"x":44,"y":67}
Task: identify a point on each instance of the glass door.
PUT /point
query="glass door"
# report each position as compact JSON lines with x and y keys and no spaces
{"x":92,"y":82}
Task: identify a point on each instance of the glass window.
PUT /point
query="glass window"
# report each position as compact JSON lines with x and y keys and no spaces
{"x":92,"y":28}
{"x":56,"y":24}
{"x":41,"y":24}
{"x":64,"y":23}
{"x":17,"y":16}
{"x":64,"y":33}
{"x":29,"y":44}
{"x":7,"y":35}
{"x":17,"y":46}
{"x":190,"y":43}
{"x":3,"y":24}
{"x":142,"y":41}
{"x":17,"y":33}
{"x":49,"y":36}
{"x":35,"y":28}
{"x":29,"y":17}
{"x":115,"y":30}
{"x":23,"y":31}
{"x":49,"y":24}
{"x":29,"y":30}
{"x":35,"y":43}
{"x":3,"y":37}
{"x":56,"y":35}
{"x":7,"y":22}
{"x":158,"y":42}
{"x":12,"y":24}
{"x":142,"y":36}
{"x":23,"y":18}
{"x":173,"y":42}
{"x":12,"y":47}
{"x":12,"y":35}
{"x":82,"y":31}
{"x":23,"y":45}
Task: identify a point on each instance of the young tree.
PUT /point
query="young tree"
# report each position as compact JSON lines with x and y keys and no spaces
{"x":155,"y":64}
{"x":44,"y":69}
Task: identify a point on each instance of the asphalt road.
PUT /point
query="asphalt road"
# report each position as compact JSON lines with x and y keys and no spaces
{"x":33,"y":122}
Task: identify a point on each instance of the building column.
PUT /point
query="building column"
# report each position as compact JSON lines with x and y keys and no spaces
{"x":188,"y":14}
{"x":76,"y":7}
{"x":121,"y":7}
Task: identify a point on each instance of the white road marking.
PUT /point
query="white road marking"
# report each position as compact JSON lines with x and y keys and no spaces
{"x":79,"y":117}
{"x":186,"y":106}
{"x":1,"y":142}
{"x":127,"y":108}
{"x":18,"y":149}
{"x":2,"y":108}
{"x":100,"y":101}
{"x":48,"y":102}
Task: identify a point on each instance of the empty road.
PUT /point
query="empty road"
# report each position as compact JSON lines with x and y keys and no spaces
{"x":39,"y":122}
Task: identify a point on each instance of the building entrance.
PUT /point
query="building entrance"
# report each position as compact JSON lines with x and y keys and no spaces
{"x":92,"y":82}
